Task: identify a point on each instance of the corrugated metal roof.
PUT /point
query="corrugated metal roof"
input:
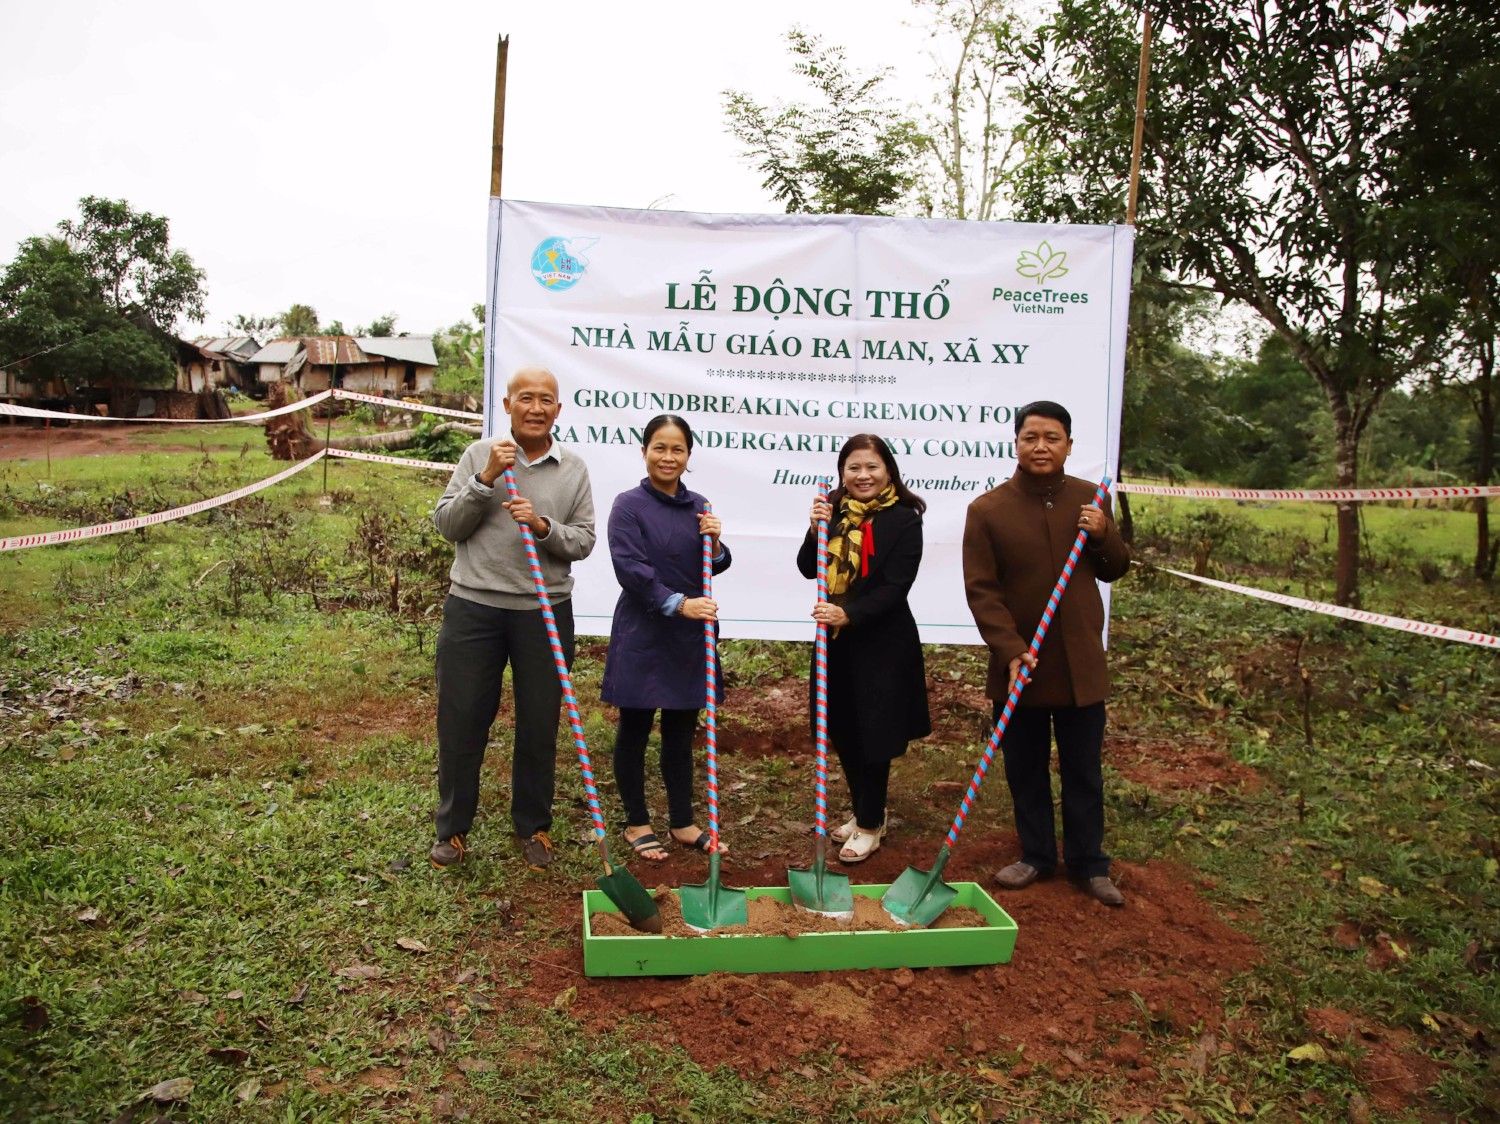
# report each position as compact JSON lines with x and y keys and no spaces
{"x":328,"y":350}
{"x":403,"y":349}
{"x":277,"y":351}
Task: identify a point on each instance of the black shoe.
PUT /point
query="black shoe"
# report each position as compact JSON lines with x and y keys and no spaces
{"x":447,"y":852}
{"x":537,"y":851}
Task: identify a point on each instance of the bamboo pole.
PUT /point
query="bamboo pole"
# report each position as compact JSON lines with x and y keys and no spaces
{"x":1140,"y":118}
{"x":497,"y":146}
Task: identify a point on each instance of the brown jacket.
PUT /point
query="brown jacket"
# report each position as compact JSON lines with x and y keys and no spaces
{"x":1016,"y":539}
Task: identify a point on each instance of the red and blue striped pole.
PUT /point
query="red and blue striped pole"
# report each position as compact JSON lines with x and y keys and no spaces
{"x":1025,"y":676}
{"x":554,"y":638}
{"x":711,"y":702}
{"x":820,"y":681}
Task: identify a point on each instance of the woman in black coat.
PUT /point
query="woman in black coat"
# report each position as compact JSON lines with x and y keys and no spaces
{"x":877,"y":679}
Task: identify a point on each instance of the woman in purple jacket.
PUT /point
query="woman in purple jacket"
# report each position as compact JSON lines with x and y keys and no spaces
{"x":655,"y":659}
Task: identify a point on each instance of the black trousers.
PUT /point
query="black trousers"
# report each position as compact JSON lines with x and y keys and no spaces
{"x":677,"y":729}
{"x":868,"y":782}
{"x":1028,"y":751}
{"x":475,"y":645}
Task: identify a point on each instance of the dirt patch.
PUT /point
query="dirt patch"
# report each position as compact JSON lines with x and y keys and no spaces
{"x":85,"y":439}
{"x":1186,"y":766}
{"x":1082,"y":982}
{"x":1387,"y":1060}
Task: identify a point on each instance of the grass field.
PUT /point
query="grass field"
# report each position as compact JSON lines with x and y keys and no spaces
{"x":216,"y":775}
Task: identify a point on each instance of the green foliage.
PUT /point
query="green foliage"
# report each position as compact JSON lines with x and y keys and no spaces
{"x":848,"y":151}
{"x":380,"y":326}
{"x":460,"y":355}
{"x":96,"y":304}
{"x":300,"y":320}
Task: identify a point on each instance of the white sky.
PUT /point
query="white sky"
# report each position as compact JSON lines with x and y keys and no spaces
{"x":338,"y":154}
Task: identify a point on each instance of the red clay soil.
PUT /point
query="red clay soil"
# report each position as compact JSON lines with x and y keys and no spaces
{"x":1387,"y":1060}
{"x":1067,"y":997}
{"x":1184,"y":766}
{"x":85,"y":439}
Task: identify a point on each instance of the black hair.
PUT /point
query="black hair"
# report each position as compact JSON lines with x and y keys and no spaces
{"x":877,"y":445}
{"x":664,"y":420}
{"x":1045,"y":409}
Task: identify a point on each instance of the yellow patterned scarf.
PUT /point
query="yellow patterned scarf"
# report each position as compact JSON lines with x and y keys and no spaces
{"x":847,"y":555}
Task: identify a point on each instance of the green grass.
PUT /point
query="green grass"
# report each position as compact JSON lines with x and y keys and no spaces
{"x":215,"y":771}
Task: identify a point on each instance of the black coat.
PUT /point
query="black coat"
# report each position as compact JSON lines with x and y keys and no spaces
{"x":877,"y":678}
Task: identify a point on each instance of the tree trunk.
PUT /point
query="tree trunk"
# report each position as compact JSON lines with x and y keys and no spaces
{"x":1484,"y":407}
{"x":1346,"y":456}
{"x":289,"y":438}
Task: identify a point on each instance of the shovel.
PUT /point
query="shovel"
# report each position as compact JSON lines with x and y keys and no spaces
{"x":816,"y":890}
{"x":919,"y":897}
{"x":711,"y":905}
{"x":618,"y":884}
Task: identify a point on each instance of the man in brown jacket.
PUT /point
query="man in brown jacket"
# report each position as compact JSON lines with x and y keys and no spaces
{"x":1016,"y":539}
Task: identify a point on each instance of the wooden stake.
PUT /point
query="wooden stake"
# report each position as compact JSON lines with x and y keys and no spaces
{"x":497,"y":147}
{"x":1140,"y":119}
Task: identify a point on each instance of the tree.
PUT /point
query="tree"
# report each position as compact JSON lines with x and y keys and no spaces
{"x":1266,"y":158}
{"x":380,"y":326}
{"x":98,"y":303}
{"x":260,"y":327}
{"x":977,"y":48}
{"x":1447,"y":191}
{"x":846,"y":152}
{"x":299,"y":320}
{"x":460,"y":356}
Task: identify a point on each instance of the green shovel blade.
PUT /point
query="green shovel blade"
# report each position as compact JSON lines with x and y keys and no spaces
{"x":711,"y":905}
{"x":919,"y":897}
{"x":817,"y":891}
{"x":633,"y":899}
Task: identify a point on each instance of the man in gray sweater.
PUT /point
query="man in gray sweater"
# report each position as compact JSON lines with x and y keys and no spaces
{"x":492,"y":618}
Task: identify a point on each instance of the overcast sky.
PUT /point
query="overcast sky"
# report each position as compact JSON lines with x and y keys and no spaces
{"x":338,"y":154}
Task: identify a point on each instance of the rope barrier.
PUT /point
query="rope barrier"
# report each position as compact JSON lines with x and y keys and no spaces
{"x":1324,"y":495}
{"x":242,"y":419}
{"x":77,"y":534}
{"x":1401,"y":624}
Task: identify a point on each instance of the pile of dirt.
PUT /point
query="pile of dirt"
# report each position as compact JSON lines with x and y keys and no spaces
{"x":1084,"y":984}
{"x":771,"y":918}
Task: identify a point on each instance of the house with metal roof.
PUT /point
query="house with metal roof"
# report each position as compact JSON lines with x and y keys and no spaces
{"x":392,"y":365}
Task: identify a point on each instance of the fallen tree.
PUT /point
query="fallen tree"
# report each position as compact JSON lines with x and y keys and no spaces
{"x":289,"y":437}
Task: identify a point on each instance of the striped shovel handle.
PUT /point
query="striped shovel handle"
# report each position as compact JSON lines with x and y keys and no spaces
{"x":1025,"y":676}
{"x":820,"y":681}
{"x":711,"y":700}
{"x":555,"y":640}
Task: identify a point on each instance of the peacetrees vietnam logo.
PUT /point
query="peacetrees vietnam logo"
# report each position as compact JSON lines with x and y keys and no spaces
{"x":559,"y":263}
{"x":1040,"y":266}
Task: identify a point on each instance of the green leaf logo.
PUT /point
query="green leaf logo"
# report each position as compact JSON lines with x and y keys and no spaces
{"x":1042,"y":264}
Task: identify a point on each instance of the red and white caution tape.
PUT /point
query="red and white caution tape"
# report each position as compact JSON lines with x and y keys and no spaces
{"x":1401,"y":624}
{"x":1329,"y":495}
{"x":401,"y":404}
{"x":76,"y":534}
{"x":242,"y":419}
{"x":404,"y":462}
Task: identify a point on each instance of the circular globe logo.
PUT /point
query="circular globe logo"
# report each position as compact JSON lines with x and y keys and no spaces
{"x":557,"y":264}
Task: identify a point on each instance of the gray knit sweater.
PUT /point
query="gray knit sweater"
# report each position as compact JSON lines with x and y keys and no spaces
{"x":489,"y":559}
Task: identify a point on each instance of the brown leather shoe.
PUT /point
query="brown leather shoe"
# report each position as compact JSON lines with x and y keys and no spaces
{"x":447,"y":852}
{"x":1016,"y":876}
{"x":1101,"y":889}
{"x":538,"y":851}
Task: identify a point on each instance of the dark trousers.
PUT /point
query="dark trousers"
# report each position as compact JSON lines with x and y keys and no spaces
{"x":473,"y":648}
{"x":677,"y":729}
{"x":1028,"y":751}
{"x":868,"y":782}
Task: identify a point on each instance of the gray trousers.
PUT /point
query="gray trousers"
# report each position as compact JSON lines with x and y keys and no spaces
{"x":473,"y":648}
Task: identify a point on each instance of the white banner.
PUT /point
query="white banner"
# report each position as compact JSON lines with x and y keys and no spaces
{"x":779,"y":336}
